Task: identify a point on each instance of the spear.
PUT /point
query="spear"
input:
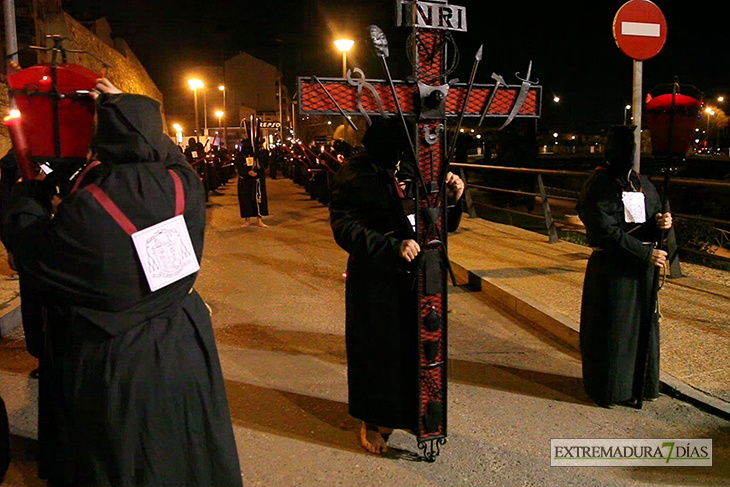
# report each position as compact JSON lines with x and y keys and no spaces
{"x":379,"y":44}
{"x":477,"y":59}
{"x":642,"y":352}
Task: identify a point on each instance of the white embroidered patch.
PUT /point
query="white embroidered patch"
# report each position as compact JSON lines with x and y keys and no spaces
{"x":166,"y":252}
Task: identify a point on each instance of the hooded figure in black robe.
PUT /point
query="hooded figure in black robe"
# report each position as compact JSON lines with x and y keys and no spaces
{"x":252,"y":198}
{"x":369,"y":220}
{"x":618,"y":279}
{"x":131,"y":390}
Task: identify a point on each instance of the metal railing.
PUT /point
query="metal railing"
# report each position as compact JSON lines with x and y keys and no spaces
{"x":552,"y":224}
{"x":550,"y":221}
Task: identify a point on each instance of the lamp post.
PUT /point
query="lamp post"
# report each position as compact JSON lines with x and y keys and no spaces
{"x":720,"y":99}
{"x":222,"y":88}
{"x":709,"y":111}
{"x":626,"y":114}
{"x":178,"y":132}
{"x":344,"y":45}
{"x":219,"y":114}
{"x":205,"y":112}
{"x":194,"y":85}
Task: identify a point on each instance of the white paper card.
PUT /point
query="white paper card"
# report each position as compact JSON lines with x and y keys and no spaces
{"x":194,"y":153}
{"x":412,"y":219}
{"x":166,"y":252}
{"x":634,"y":207}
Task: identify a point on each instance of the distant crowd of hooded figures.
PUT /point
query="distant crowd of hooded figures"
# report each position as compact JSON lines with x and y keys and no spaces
{"x":311,"y":167}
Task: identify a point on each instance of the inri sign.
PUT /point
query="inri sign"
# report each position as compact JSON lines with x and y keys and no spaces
{"x":431,"y":15}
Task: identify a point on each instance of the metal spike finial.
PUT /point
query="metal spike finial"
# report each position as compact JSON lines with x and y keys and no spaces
{"x":378,"y":41}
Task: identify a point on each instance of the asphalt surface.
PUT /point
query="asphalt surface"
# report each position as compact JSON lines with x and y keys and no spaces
{"x":277,"y":296}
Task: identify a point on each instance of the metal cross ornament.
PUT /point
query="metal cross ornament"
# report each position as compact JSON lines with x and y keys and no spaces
{"x":427,"y":103}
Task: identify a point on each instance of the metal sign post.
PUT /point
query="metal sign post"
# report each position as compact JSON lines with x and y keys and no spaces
{"x":640,"y":31}
{"x":426,"y":104}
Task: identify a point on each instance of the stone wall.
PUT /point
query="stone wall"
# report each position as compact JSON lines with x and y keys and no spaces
{"x":126,"y":72}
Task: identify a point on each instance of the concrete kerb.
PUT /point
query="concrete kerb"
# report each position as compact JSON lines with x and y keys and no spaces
{"x":566,"y":331}
{"x":556,"y":324}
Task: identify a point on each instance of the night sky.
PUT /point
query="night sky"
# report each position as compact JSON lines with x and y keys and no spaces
{"x":570,"y":43}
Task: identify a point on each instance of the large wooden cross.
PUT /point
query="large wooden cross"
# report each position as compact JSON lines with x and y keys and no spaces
{"x":427,"y":103}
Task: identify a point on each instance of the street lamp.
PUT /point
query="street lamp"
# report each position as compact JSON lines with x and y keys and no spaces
{"x":344,"y":45}
{"x":222,"y":88}
{"x":219,"y":114}
{"x":709,"y":111}
{"x":178,"y":132}
{"x":626,"y":114}
{"x":205,"y":113}
{"x":194,"y":85}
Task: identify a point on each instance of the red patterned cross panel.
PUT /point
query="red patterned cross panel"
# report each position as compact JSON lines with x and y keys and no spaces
{"x":315,"y":100}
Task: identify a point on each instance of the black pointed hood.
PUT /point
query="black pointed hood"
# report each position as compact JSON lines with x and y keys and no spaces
{"x":129,"y":129}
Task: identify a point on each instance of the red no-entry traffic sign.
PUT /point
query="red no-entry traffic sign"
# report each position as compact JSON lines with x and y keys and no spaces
{"x":640,"y":29}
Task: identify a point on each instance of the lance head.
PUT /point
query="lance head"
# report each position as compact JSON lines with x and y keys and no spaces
{"x":478,"y":57}
{"x":378,"y":41}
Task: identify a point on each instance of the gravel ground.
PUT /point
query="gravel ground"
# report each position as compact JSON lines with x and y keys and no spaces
{"x":707,"y":273}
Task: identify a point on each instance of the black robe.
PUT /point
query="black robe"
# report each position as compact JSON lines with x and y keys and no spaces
{"x":4,"y":440}
{"x":131,"y":391}
{"x":617,"y":288}
{"x":368,"y":221}
{"x":252,"y":199}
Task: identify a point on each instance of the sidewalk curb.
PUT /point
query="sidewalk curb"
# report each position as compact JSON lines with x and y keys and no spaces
{"x":673,"y":387}
{"x":556,"y":324}
{"x":566,"y":331}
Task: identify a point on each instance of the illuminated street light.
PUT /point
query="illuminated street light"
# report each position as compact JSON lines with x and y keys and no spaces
{"x":219,"y":114}
{"x":178,"y":132}
{"x":222,"y":88}
{"x":709,"y":111}
{"x":194,"y":85}
{"x":626,"y":114}
{"x":344,"y":45}
{"x":556,"y":99}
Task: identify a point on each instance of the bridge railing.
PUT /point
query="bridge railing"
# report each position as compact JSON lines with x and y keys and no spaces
{"x":567,"y":194}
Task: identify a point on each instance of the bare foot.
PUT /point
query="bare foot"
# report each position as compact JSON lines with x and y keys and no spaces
{"x":262,"y":224}
{"x":245,"y":225}
{"x":372,"y":440}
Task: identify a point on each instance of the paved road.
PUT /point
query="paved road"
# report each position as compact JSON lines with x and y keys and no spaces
{"x":278,"y":299}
